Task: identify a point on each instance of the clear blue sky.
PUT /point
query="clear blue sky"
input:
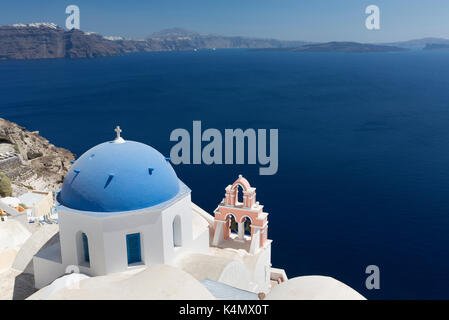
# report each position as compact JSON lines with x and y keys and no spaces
{"x":313,"y":20}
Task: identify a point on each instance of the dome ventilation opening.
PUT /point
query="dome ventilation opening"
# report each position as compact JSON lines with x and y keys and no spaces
{"x":77,"y":172}
{"x":111,"y":176}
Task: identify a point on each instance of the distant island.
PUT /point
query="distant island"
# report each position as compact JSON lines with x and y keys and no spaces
{"x":437,"y":46}
{"x":417,"y":44}
{"x":49,"y":41}
{"x":347,"y":47}
{"x":354,"y":47}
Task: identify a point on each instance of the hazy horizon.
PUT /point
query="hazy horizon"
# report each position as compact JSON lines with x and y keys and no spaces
{"x":317,"y":21}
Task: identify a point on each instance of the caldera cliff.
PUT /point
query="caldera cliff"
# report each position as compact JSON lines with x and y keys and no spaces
{"x":30,"y":161}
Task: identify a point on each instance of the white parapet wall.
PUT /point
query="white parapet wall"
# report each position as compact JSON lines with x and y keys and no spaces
{"x":47,"y":266}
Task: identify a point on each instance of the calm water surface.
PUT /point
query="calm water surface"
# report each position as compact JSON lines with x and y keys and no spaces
{"x":363,"y":145}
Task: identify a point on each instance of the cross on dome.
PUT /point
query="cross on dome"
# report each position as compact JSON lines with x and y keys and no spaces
{"x":118,"y":139}
{"x":118,"y":130}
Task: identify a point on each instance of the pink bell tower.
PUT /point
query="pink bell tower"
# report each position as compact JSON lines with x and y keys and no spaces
{"x":247,"y":211}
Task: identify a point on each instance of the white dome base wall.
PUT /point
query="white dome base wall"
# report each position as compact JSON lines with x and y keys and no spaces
{"x":107,"y":241}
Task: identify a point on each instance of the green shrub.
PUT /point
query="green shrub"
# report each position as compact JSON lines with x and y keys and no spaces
{"x":5,"y":186}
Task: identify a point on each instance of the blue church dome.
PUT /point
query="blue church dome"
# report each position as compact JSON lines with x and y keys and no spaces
{"x":119,"y":176}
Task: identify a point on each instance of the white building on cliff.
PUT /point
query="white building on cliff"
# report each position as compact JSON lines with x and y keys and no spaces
{"x":122,"y":208}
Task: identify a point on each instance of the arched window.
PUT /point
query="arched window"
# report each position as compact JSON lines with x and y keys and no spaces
{"x":86,"y":248}
{"x":239,"y":195}
{"x":82,"y":248}
{"x":233,"y":226}
{"x":247,"y":226}
{"x":177,"y":233}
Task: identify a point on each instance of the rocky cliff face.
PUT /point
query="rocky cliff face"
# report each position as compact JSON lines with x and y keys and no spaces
{"x":41,"y":41}
{"x":79,"y":45}
{"x":31,"y":161}
{"x":181,"y":39}
{"x":31,"y":42}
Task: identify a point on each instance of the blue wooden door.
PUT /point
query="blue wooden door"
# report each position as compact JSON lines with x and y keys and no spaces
{"x":133,"y":248}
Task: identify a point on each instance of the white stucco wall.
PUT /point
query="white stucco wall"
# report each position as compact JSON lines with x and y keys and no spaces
{"x":71,"y":224}
{"x":183,"y":209}
{"x":262,"y":270}
{"x":46,"y":271}
{"x":107,"y":239}
{"x":236,"y":275}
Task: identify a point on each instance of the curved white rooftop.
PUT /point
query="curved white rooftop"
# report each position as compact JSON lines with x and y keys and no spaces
{"x":161,"y":282}
{"x":313,"y":288}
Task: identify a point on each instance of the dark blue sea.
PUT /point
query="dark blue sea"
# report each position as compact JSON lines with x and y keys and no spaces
{"x":363,"y":145}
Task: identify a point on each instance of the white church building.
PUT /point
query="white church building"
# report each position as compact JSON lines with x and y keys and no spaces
{"x":122,"y":208}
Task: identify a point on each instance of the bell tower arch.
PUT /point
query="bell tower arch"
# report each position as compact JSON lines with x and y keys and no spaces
{"x":248,"y":212}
